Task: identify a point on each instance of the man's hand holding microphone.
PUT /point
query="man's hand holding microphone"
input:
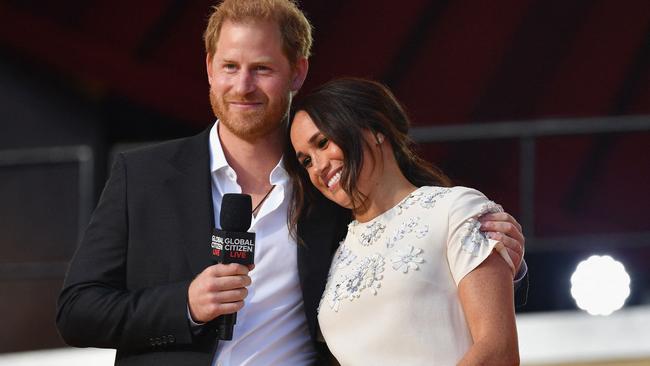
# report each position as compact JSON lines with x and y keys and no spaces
{"x":218,"y":292}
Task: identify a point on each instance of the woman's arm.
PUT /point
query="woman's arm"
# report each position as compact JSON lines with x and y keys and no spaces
{"x":487,"y":300}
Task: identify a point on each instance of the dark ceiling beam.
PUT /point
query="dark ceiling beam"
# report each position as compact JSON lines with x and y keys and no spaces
{"x":161,"y":29}
{"x":592,"y":168}
{"x":636,"y":80}
{"x":414,"y":42}
{"x":539,"y":47}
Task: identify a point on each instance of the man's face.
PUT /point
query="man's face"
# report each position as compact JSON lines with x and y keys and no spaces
{"x":251,"y":79}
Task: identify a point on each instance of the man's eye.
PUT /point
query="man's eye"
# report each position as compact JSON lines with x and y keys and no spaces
{"x":306,"y":162}
{"x":323,"y":142}
{"x":229,"y":67}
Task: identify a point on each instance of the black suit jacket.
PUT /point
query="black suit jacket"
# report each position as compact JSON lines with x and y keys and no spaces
{"x":126,"y":287}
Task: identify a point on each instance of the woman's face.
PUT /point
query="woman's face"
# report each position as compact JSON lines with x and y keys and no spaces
{"x":324,"y":161}
{"x":320,"y":157}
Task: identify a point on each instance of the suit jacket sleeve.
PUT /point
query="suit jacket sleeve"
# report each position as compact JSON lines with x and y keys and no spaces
{"x":97,"y":307}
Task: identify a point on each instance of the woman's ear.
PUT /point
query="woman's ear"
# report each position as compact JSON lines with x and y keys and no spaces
{"x":379,"y":138}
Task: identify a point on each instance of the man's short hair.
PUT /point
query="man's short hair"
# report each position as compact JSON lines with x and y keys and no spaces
{"x":294,"y":26}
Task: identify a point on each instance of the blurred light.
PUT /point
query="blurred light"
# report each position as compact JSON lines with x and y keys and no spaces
{"x":600,"y":285}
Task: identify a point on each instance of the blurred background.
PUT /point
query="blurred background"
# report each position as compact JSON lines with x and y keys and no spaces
{"x":542,"y":105}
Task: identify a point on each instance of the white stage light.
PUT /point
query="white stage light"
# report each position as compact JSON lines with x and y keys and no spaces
{"x":600,"y":285}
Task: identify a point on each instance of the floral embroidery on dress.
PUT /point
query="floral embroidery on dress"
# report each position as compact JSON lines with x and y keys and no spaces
{"x":344,"y":256}
{"x":406,"y":259}
{"x":367,"y":275}
{"x":335,"y":296}
{"x":422,"y":232}
{"x":371,"y":234}
{"x":429,"y":200}
{"x":409,"y":201}
{"x":490,"y":207}
{"x":374,"y":274}
{"x":426,"y":200}
{"x":404,"y":228}
{"x":472,"y":238}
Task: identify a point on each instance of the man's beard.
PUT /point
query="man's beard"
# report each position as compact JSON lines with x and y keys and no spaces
{"x":251,"y":125}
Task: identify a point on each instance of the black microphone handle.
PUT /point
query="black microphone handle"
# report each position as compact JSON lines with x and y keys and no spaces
{"x":235,"y":215}
{"x":225,"y":326}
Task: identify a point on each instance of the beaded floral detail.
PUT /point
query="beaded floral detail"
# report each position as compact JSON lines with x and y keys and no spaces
{"x":426,"y":200}
{"x":344,"y":257}
{"x":429,"y":200}
{"x":405,"y":228}
{"x":409,"y":201}
{"x":365,"y":276}
{"x":371,"y":234}
{"x":422,"y":232}
{"x":472,"y":238}
{"x":406,"y":259}
{"x":490,"y":207}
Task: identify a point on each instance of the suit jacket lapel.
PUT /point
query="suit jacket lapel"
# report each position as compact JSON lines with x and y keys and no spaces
{"x":192,"y":182}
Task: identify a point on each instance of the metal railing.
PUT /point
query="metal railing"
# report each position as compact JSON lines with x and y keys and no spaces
{"x":527,"y":132}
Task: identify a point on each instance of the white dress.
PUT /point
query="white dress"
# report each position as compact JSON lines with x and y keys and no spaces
{"x":392,"y":292}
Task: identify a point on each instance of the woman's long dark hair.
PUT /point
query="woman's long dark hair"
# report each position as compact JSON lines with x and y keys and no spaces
{"x":342,"y":109}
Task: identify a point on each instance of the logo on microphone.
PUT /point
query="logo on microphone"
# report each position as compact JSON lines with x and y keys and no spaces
{"x":233,"y":247}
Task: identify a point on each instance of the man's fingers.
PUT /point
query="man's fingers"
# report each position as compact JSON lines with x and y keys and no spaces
{"x":516,"y":259}
{"x":219,"y":289}
{"x":507,"y":241}
{"x":500,"y":216}
{"x":506,"y":228}
{"x":229,"y":283}
{"x":229,"y":296}
{"x":514,"y":248}
{"x":230,"y":307}
{"x":222,"y":270}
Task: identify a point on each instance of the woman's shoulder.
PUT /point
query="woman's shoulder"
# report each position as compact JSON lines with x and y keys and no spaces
{"x":450,"y":193}
{"x":458,"y":197}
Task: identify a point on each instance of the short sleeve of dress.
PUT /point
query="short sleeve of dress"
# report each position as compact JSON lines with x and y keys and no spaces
{"x":467,"y":245}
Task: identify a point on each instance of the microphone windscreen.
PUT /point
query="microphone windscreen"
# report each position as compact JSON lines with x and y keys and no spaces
{"x":236,"y":212}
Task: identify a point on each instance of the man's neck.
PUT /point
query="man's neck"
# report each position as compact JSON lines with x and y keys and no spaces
{"x":253,"y":161}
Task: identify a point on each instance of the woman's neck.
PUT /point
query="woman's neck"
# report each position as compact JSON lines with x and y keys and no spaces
{"x":386,"y":194}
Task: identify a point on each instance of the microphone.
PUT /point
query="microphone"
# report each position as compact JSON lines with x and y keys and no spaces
{"x":233,"y":244}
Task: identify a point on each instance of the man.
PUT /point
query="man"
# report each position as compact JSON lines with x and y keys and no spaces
{"x":142,"y":281}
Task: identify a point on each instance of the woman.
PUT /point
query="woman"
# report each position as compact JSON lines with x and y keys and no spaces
{"x":415,"y":281}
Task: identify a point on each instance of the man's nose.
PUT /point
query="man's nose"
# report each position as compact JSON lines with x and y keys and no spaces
{"x":245,"y":83}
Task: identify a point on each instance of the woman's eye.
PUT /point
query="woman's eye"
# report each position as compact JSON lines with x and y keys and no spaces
{"x":323,"y":142}
{"x":305,"y":162}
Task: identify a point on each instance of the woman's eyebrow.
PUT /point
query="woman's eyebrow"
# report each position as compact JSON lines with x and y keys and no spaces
{"x":310,"y":141}
{"x":313,"y":137}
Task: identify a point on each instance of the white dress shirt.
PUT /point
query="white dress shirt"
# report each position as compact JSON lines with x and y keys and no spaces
{"x":271,"y":329}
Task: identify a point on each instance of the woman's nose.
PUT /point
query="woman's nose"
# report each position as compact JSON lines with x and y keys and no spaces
{"x":321,"y":164}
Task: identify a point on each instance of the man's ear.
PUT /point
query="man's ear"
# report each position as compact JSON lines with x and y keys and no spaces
{"x":208,"y":67}
{"x":299,"y":74}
